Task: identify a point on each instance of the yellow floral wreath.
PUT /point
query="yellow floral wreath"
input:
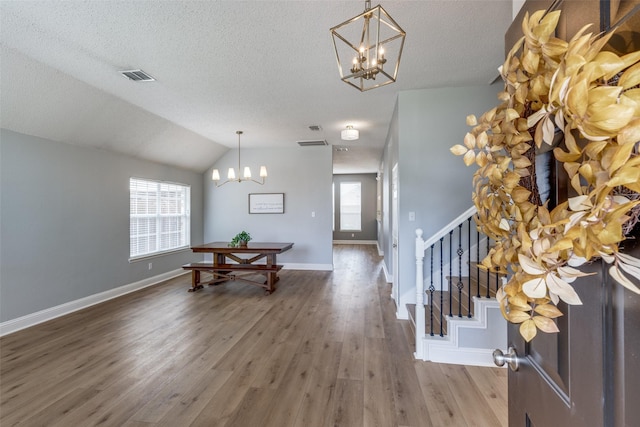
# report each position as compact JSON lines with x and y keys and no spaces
{"x":578,"y":89}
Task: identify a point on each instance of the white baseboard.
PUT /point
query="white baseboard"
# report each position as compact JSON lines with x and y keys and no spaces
{"x":355,"y":242}
{"x":387,"y":277}
{"x":14,"y":325}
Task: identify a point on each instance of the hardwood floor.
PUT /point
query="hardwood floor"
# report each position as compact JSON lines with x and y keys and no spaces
{"x":324,"y":350}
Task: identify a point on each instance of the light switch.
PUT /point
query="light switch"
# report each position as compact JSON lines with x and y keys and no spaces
{"x":412,"y":216}
{"x":313,"y":214}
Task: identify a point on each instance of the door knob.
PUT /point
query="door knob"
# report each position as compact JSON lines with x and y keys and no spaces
{"x":511,"y":358}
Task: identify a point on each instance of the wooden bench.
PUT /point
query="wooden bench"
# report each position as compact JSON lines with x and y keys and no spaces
{"x":224,"y":272}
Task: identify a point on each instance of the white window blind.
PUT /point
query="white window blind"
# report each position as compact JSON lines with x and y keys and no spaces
{"x":159,"y":217}
{"x":350,"y":206}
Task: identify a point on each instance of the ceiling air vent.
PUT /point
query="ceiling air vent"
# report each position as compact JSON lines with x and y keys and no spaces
{"x":312,"y":143}
{"x":137,"y":76}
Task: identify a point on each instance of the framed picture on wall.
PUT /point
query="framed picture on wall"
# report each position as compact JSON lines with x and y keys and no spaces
{"x":266,"y":203}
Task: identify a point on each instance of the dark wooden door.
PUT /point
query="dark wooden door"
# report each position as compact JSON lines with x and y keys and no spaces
{"x":589,"y":373}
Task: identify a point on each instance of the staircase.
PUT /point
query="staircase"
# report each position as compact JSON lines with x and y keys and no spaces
{"x":456,"y":318}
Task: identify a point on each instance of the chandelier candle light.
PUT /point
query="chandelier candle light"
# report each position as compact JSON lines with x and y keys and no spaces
{"x":378,"y":40}
{"x":231,"y":175}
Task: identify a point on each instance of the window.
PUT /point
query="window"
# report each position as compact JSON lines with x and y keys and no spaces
{"x":159,"y":217}
{"x":350,"y":206}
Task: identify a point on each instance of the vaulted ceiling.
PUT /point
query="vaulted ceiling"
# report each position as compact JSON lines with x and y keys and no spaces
{"x":264,"y":67}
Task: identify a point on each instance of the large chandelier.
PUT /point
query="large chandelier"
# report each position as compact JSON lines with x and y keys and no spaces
{"x":372,"y":59}
{"x":231,"y":174}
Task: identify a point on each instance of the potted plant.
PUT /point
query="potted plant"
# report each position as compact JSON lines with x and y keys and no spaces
{"x":240,"y":239}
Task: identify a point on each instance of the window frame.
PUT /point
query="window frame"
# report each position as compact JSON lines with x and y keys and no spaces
{"x":183,"y":217}
{"x":346,"y":230}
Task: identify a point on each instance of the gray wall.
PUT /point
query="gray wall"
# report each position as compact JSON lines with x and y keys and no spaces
{"x":64,"y":222}
{"x":369,"y":192}
{"x":304,"y":175}
{"x":433,"y":183}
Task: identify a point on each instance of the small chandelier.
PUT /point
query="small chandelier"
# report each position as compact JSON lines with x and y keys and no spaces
{"x":374,"y":52}
{"x":231,"y":175}
{"x":349,"y":134}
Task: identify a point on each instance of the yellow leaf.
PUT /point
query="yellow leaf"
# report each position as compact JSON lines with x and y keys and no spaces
{"x":547,"y":26}
{"x":565,"y":272}
{"x":608,"y":63}
{"x":520,"y":300}
{"x":561,"y":245}
{"x":548,"y":310}
{"x":469,"y":141}
{"x":528,"y":330}
{"x":521,"y":162}
{"x":630,"y":134}
{"x":529,"y":266}
{"x":535,"y":288}
{"x":570,"y":142}
{"x":622,"y":279}
{"x":469,"y":158}
{"x":624,"y":176}
{"x":609,"y":119}
{"x":482,"y":140}
{"x":562,"y":289}
{"x":517,"y":316}
{"x":611,"y":234}
{"x":545,"y":324}
{"x":520,"y":194}
{"x":563,"y":156}
{"x":481,"y":159}
{"x":577,"y":98}
{"x":548,"y":129}
{"x":594,"y":148}
{"x":511,"y":179}
{"x":630,"y":77}
{"x":458,"y":149}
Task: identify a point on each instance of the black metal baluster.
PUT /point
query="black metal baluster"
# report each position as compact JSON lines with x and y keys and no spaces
{"x":460,"y":285}
{"x":432,"y":289}
{"x":441,"y":288}
{"x":469,"y":265}
{"x":497,"y":278}
{"x":488,"y":272}
{"x":450,"y":274}
{"x":478,"y":263}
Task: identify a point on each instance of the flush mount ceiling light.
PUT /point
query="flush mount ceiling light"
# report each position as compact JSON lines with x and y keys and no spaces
{"x":231,"y":175}
{"x":368,"y":48}
{"x":350,"y":134}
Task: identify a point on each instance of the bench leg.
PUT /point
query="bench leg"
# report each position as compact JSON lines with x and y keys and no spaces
{"x":272,"y":278}
{"x":195,"y":281}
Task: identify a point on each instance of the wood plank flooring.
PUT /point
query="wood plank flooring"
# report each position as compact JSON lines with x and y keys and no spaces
{"x":324,"y":350}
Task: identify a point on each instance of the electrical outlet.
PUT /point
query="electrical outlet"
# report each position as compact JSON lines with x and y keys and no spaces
{"x":150,"y":265}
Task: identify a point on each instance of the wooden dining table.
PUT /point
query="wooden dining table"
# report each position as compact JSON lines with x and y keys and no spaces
{"x":238,"y":263}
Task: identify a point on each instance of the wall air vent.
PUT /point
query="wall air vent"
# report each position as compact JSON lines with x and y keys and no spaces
{"x":311,"y":143}
{"x":315,"y":128}
{"x":137,"y":75}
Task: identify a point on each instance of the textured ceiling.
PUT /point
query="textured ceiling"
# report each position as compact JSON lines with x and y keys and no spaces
{"x":264,"y":67}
